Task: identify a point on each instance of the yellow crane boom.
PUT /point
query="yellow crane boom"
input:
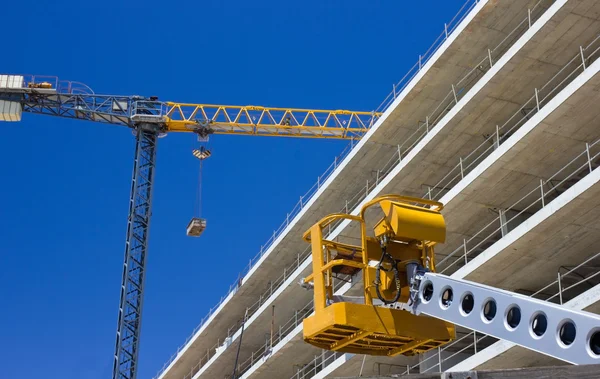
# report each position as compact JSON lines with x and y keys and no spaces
{"x":268,"y":121}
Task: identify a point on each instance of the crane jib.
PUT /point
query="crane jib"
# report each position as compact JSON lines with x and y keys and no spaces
{"x":49,"y":96}
{"x":150,"y":118}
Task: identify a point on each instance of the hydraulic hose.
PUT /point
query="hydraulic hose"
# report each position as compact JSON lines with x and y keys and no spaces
{"x":377,"y":283}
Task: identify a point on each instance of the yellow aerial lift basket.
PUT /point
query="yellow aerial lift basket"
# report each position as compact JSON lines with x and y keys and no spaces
{"x":403,"y":241}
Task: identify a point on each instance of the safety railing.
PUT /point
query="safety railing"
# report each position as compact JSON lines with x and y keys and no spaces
{"x":280,"y":334}
{"x":33,"y":81}
{"x":456,"y":92}
{"x":536,"y":199}
{"x":74,"y":88}
{"x":60,"y":86}
{"x":251,"y":310}
{"x":580,"y":61}
{"x":540,"y":97}
{"x":148,"y":108}
{"x":473,"y":342}
{"x":272,"y":340}
{"x":273,"y":286}
{"x":318,"y":364}
{"x":436,"y":361}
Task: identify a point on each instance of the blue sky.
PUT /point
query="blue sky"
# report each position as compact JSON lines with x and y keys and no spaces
{"x":65,"y":183}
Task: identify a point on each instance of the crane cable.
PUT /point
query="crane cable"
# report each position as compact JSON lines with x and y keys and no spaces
{"x":199,"y":190}
{"x":198,"y":207}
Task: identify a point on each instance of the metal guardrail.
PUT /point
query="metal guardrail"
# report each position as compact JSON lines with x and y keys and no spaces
{"x":318,"y":364}
{"x":449,"y":27}
{"x":322,"y":361}
{"x":60,"y":86}
{"x":536,"y":199}
{"x":270,"y":341}
{"x":456,"y":92}
{"x":284,"y":330}
{"x":547,"y":187}
{"x":273,"y":287}
{"x":541,"y":97}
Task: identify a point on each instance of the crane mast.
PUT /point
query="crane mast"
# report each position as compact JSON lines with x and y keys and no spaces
{"x":129,"y":322}
{"x":150,"y":118}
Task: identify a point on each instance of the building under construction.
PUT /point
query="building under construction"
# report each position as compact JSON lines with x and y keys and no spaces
{"x":499,"y":121}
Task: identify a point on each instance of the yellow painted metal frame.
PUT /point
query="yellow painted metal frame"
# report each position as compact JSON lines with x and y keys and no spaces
{"x":269,"y":121}
{"x":365,"y":328}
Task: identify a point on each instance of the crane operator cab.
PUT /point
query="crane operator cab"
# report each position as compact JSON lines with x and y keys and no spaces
{"x":387,"y":258}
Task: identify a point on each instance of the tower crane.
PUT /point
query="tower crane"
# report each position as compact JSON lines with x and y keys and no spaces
{"x":150,"y":118}
{"x":407,"y":308}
